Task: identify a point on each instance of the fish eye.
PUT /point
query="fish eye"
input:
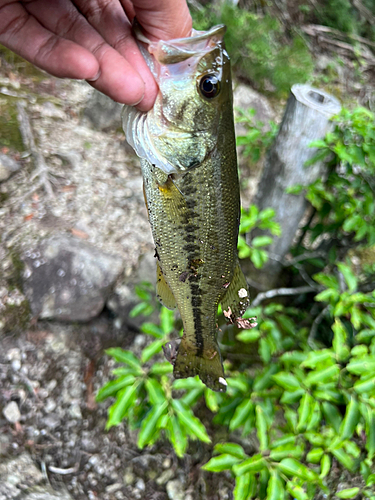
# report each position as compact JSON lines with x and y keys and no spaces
{"x":209,"y":86}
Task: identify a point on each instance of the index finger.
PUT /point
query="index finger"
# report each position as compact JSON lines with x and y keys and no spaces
{"x":22,"y":33}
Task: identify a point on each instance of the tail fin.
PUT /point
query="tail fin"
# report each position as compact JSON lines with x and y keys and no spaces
{"x":208,"y":367}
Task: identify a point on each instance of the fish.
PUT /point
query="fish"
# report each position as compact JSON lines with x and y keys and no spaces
{"x":187,"y":150}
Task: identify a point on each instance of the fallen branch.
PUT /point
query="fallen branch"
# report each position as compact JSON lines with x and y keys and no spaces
{"x":29,"y":143}
{"x":313,"y":29}
{"x":281,"y":291}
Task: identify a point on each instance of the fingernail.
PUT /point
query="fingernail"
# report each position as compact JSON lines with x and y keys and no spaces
{"x":96,"y":77}
{"x":137,"y":102}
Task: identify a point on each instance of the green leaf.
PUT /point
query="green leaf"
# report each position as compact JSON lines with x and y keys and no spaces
{"x":177,"y":436}
{"x":304,"y":411}
{"x":343,"y":458}
{"x":247,"y":336}
{"x":366,"y":386}
{"x":161,"y":368}
{"x":261,"y":425}
{"x":111,"y":388}
{"x":297,"y":189}
{"x":261,"y":241}
{"x":125,"y":399}
{"x":243,"y":484}
{"x":349,"y":276}
{"x":325,"y":466}
{"x":212,"y":400}
{"x":332,"y":415}
{"x":149,"y":424}
{"x":150,"y":351}
{"x":292,"y":467}
{"x":152,"y":329}
{"x":126,"y":357}
{"x":220,"y":463}
{"x":265,"y":350}
{"x":314,"y":456}
{"x":241,"y":414}
{"x":167,"y":320}
{"x":253,"y":464}
{"x":155,"y":391}
{"x":361,"y":366}
{"x":231,"y":448}
{"x":193,"y":424}
{"x":278,"y":454}
{"x":297,"y":492}
{"x":347,"y":493}
{"x":339,"y":340}
{"x":275,"y":488}
{"x":141,"y":308}
{"x":316,"y":358}
{"x":329,"y":374}
{"x":350,"y":420}
{"x":287,"y":381}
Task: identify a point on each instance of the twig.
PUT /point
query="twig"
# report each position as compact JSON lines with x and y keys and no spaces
{"x":281,"y":291}
{"x":314,"y":327}
{"x":63,"y":472}
{"x":29,"y":143}
{"x":312,"y":29}
{"x":364,"y":11}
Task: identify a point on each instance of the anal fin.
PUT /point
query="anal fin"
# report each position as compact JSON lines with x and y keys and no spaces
{"x":163,"y":292}
{"x":236,"y":299}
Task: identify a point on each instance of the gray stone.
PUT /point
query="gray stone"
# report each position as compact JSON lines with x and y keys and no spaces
{"x":69,"y":279}
{"x":8,"y":167}
{"x":175,"y":490}
{"x":12,"y":413}
{"x":46,"y":493}
{"x":244,"y":98}
{"x":19,"y":472}
{"x":103,"y":112}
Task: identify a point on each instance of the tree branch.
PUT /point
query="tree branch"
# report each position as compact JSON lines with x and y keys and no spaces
{"x":281,"y":291}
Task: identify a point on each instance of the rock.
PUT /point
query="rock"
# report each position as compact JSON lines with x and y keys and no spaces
{"x":18,"y":474}
{"x":175,"y":490}
{"x":103,"y":112}
{"x":69,"y":279}
{"x":46,"y":493}
{"x":12,"y":413}
{"x":8,"y":167}
{"x":244,"y":98}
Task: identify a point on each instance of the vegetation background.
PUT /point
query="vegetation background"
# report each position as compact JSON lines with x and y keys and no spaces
{"x":298,"y":419}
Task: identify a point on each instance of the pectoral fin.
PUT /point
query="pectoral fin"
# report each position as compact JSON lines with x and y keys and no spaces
{"x":163,"y":292}
{"x":236,"y":299}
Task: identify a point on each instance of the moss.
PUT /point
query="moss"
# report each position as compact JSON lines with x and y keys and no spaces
{"x":23,"y":67}
{"x":10,"y":135}
{"x":15,"y":318}
{"x":3,"y":198}
{"x":14,"y":279}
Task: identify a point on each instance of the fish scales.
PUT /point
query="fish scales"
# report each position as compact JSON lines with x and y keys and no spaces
{"x":188,"y":159}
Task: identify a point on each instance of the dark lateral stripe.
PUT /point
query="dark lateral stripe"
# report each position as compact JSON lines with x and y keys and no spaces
{"x":199,"y":341}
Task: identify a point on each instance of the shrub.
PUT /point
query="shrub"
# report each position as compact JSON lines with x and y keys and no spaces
{"x":310,"y":407}
{"x":258,"y":48}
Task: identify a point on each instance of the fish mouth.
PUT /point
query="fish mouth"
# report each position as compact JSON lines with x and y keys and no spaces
{"x":178,"y":49}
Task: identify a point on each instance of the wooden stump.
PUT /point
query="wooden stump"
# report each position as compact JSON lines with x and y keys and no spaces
{"x":306,"y":119}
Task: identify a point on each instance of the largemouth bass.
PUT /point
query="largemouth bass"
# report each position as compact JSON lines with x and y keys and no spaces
{"x":186,"y":145}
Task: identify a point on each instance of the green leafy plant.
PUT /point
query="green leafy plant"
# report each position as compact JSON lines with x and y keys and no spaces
{"x":258,"y":48}
{"x":257,"y":138}
{"x":250,"y":220}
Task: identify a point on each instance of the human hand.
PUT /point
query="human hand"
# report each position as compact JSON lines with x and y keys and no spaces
{"x":92,"y":40}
